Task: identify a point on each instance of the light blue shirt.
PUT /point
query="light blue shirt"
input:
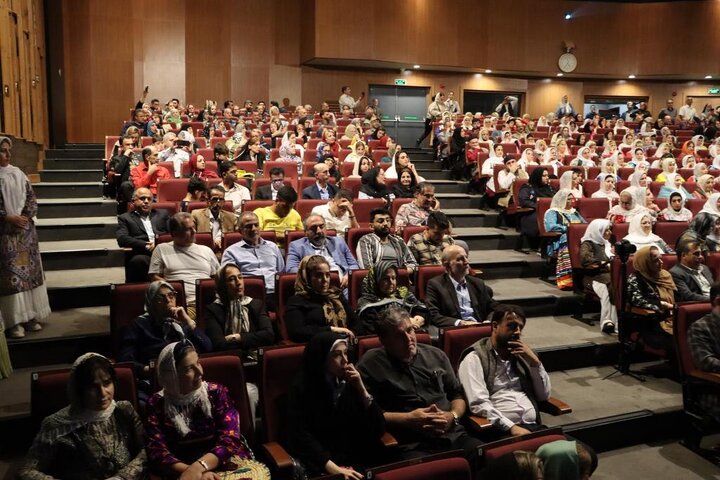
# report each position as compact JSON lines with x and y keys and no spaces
{"x":262,"y":260}
{"x":324,"y":194}
{"x":464,"y":301}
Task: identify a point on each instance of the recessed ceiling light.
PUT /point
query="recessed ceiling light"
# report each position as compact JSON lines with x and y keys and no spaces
{"x":631,"y":76}
{"x":416,"y":66}
{"x":559,"y":75}
{"x":478,"y":75}
{"x":708,"y":77}
{"x":488,"y":71}
{"x":568,"y":15}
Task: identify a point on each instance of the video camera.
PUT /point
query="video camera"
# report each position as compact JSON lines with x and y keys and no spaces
{"x":623,"y":249}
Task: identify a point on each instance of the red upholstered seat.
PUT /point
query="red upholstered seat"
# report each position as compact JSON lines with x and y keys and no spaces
{"x":310,"y":155}
{"x":411,"y":230}
{"x":362,"y":209}
{"x":110,"y":141}
{"x":396,"y":204}
{"x":356,"y":281}
{"x":353,"y":237}
{"x":304,"y":206}
{"x":290,"y":168}
{"x":368,"y":343}
{"x":172,"y":190}
{"x":455,"y":468}
{"x":590,"y":187}
{"x":127,"y":301}
{"x":424,"y":274}
{"x":686,"y":315}
{"x":529,"y":442}
{"x":695,"y":205}
{"x":592,"y":208}
{"x":309,"y":169}
{"x":252,"y":205}
{"x":352,"y":184}
{"x":48,"y":390}
{"x":200,"y":238}
{"x":670,"y":231}
{"x":227,"y":206}
{"x":247,"y":165}
{"x":455,"y":340}
{"x":277,"y":363}
{"x":170,"y":207}
{"x":378,"y":155}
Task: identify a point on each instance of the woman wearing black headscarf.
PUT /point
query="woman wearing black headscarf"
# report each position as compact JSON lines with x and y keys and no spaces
{"x":538,"y":186}
{"x":704,"y":228}
{"x":373,"y":185}
{"x":333,"y":421}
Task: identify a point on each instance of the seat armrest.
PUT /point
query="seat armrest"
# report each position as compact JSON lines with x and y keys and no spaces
{"x":388,"y":441}
{"x":553,"y":406}
{"x":478,"y":423}
{"x":705,"y":376}
{"x":277,"y":456}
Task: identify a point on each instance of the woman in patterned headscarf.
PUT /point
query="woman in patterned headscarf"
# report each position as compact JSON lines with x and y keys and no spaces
{"x":317,"y":306}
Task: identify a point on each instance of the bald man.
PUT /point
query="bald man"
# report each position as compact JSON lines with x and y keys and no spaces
{"x":322,"y":189}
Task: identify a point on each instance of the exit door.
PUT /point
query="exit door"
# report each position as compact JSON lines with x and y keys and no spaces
{"x":402,"y":111}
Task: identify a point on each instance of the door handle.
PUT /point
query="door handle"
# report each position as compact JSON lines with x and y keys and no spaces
{"x":6,"y":90}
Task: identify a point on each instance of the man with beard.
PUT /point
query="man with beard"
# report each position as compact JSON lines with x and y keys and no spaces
{"x":503,"y":378}
{"x":214,"y":219}
{"x":138,"y":230}
{"x":381,"y":245}
{"x":316,"y":242}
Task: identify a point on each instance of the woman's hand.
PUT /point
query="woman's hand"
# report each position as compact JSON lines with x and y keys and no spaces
{"x":352,"y":376}
{"x":194,"y":472}
{"x":348,"y":473}
{"x":417,"y":321}
{"x":18,"y":221}
{"x":344,"y":330}
{"x":234,"y":337}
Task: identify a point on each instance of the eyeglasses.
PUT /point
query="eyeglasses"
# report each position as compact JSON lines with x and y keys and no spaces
{"x":216,"y":199}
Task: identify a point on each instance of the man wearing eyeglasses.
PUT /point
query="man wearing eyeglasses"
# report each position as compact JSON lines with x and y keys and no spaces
{"x":417,"y":211}
{"x":269,"y":192}
{"x":692,"y":277}
{"x":317,"y":242}
{"x":214,"y":219}
{"x":138,"y":229}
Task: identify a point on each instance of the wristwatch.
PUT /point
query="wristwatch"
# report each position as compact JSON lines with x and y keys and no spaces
{"x":455,"y":417}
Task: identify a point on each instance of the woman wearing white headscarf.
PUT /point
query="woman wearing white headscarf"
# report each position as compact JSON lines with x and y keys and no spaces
{"x":572,"y":180}
{"x":704,"y":187}
{"x":23,"y":292}
{"x":561,"y":214}
{"x":627,"y":208}
{"x":192,"y":425}
{"x":699,"y":142}
{"x":93,"y":437}
{"x":640,"y":234}
{"x":607,"y":188}
{"x":596,"y":252}
{"x":711,"y":205}
{"x":583,"y":159}
{"x":550,"y":159}
{"x":675,"y":210}
{"x":714,"y":149}
{"x":434,"y":113}
{"x":607,"y":166}
{"x":527,"y":158}
{"x":401,"y":160}
{"x":669,"y":165}
{"x":673,"y":183}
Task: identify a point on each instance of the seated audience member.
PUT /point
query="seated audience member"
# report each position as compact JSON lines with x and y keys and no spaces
{"x":233,"y":191}
{"x":214,"y":219}
{"x":163,"y":322}
{"x":380,"y":291}
{"x":177,"y":151}
{"x":422,"y":415}
{"x":256,"y":256}
{"x":692,"y":277}
{"x":627,"y":207}
{"x":147,"y":173}
{"x":333,"y":170}
{"x":427,"y":246}
{"x":557,"y":218}
{"x":234,"y":320}
{"x":704,"y":342}
{"x":705,"y":229}
{"x":676,"y":211}
{"x":317,"y":306}
{"x":640,"y":234}
{"x":281,"y":216}
{"x":269,"y":192}
{"x":538,"y":186}
{"x":253,"y":152}
{"x":456,"y":298}
{"x":183,"y":259}
{"x":119,"y":168}
{"x":558,"y":460}
{"x":197,"y":191}
{"x":503,"y":378}
{"x":361,"y":167}
{"x":198,"y":168}
{"x":607,"y":188}
{"x":596,"y":253}
{"x":338,"y":213}
{"x":417,"y":211}
{"x":401,"y":160}
{"x":405,"y":186}
{"x":674,"y":183}
{"x":651,"y":298}
{"x":316,"y":242}
{"x":94,"y":436}
{"x":373,"y":185}
{"x":322,"y":189}
{"x":138,"y":230}
{"x":192,"y":427}
{"x":382,"y":245}
{"x":333,"y":422}
{"x":704,"y":186}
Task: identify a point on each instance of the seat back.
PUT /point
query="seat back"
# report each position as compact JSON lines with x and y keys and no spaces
{"x":356,"y":281}
{"x":686,"y":315}
{"x":368,"y":343}
{"x":592,"y":208}
{"x":170,"y":207}
{"x":227,"y":206}
{"x":353,"y":184}
{"x":172,"y":189}
{"x":454,"y":468}
{"x":411,"y":230}
{"x":455,"y":340}
{"x":127,"y":301}
{"x":305,"y":206}
{"x":695,"y":205}
{"x":575,"y":233}
{"x":252,"y":205}
{"x":353,"y":237}
{"x":227,"y":370}
{"x":670,"y":231}
{"x":290,"y":168}
{"x":529,"y":442}
{"x":424,"y":274}
{"x":543,"y":204}
{"x":48,"y":390}
{"x":275,"y":364}
{"x":397,"y":203}
{"x":362,"y":209}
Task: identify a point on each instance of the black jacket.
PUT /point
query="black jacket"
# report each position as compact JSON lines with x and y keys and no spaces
{"x":443,"y":303}
{"x":261,"y":330}
{"x":305,"y":318}
{"x":131,"y":232}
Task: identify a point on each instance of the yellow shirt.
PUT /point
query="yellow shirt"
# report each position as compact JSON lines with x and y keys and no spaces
{"x":270,"y":221}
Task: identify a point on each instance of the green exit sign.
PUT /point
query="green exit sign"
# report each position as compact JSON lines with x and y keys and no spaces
{"x":711,"y":91}
{"x":400,"y":81}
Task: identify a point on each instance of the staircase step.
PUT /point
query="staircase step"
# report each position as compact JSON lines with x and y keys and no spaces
{"x":471,"y":217}
{"x":80,"y":254}
{"x":426,"y":165}
{"x":68,"y":189}
{"x":487,"y":238}
{"x":58,"y":175}
{"x":506,"y":264}
{"x":458,"y":200}
{"x":55,"y":229}
{"x":88,"y":287}
{"x":76,"y":207}
{"x":89,"y":152}
{"x":433,"y":175}
{"x":449,"y":186}
{"x":73,"y":164}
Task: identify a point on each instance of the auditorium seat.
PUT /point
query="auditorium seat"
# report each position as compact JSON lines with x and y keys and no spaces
{"x":592,"y":208}
{"x":424,"y":274}
{"x":309,"y":169}
{"x":200,"y":239}
{"x":172,"y":190}
{"x":305,"y":206}
{"x":455,"y":340}
{"x":310,"y":155}
{"x":171,"y":207}
{"x":590,"y":187}
{"x":252,"y":205}
{"x":528,"y":442}
{"x":290,"y":168}
{"x":362,"y":209}
{"x":353,"y":237}
{"x":368,"y":343}
{"x":453,"y":468}
{"x":411,"y":230}
{"x":396,"y":204}
{"x":262,"y":181}
{"x":695,"y":205}
{"x":227,"y":206}
{"x":346,"y":169}
{"x":352,"y":184}
{"x":378,"y":155}
{"x":670,"y":231}
{"x":247,"y":166}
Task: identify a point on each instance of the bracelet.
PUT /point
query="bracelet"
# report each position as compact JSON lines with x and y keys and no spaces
{"x":204,"y":465}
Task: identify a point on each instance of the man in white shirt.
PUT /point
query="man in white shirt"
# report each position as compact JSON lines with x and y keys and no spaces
{"x":338,"y":213}
{"x":183,"y":259}
{"x":687,"y":113}
{"x":234,"y":192}
{"x":503,"y":378}
{"x":347,"y":99}
{"x":178,"y":152}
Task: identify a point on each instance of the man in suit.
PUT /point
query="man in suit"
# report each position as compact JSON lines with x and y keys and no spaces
{"x":139,"y":230}
{"x":269,"y":192}
{"x":214,"y":219}
{"x":692,"y":277}
{"x":322,"y":190}
{"x":316,"y":242}
{"x":456,"y":298}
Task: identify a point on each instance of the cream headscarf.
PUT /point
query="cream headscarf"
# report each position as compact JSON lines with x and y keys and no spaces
{"x":13,"y":185}
{"x":595,"y":233}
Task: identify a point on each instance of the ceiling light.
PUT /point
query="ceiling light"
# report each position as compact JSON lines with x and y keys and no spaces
{"x":708,"y":77}
{"x":568,"y":15}
{"x":631,"y":76}
{"x":416,"y":67}
{"x":559,"y":75}
{"x":488,"y":71}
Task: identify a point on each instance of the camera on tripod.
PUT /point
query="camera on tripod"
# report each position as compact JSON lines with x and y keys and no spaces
{"x":623,"y":249}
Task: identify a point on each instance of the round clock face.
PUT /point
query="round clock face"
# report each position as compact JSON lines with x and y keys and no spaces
{"x":567,"y":62}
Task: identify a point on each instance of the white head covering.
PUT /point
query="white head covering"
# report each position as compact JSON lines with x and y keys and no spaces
{"x":680,"y":215}
{"x":579,"y":160}
{"x":713,"y":149}
{"x":559,"y":201}
{"x":524,"y":161}
{"x":595,"y":233}
{"x":637,"y":237}
{"x":635,"y":178}
{"x":602,"y":192}
{"x":13,"y":185}
{"x":179,"y":407}
{"x":670,"y":179}
{"x":699,"y":142}
{"x":711,"y":205}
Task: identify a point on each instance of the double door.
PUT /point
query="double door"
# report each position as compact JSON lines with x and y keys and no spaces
{"x":402,"y":111}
